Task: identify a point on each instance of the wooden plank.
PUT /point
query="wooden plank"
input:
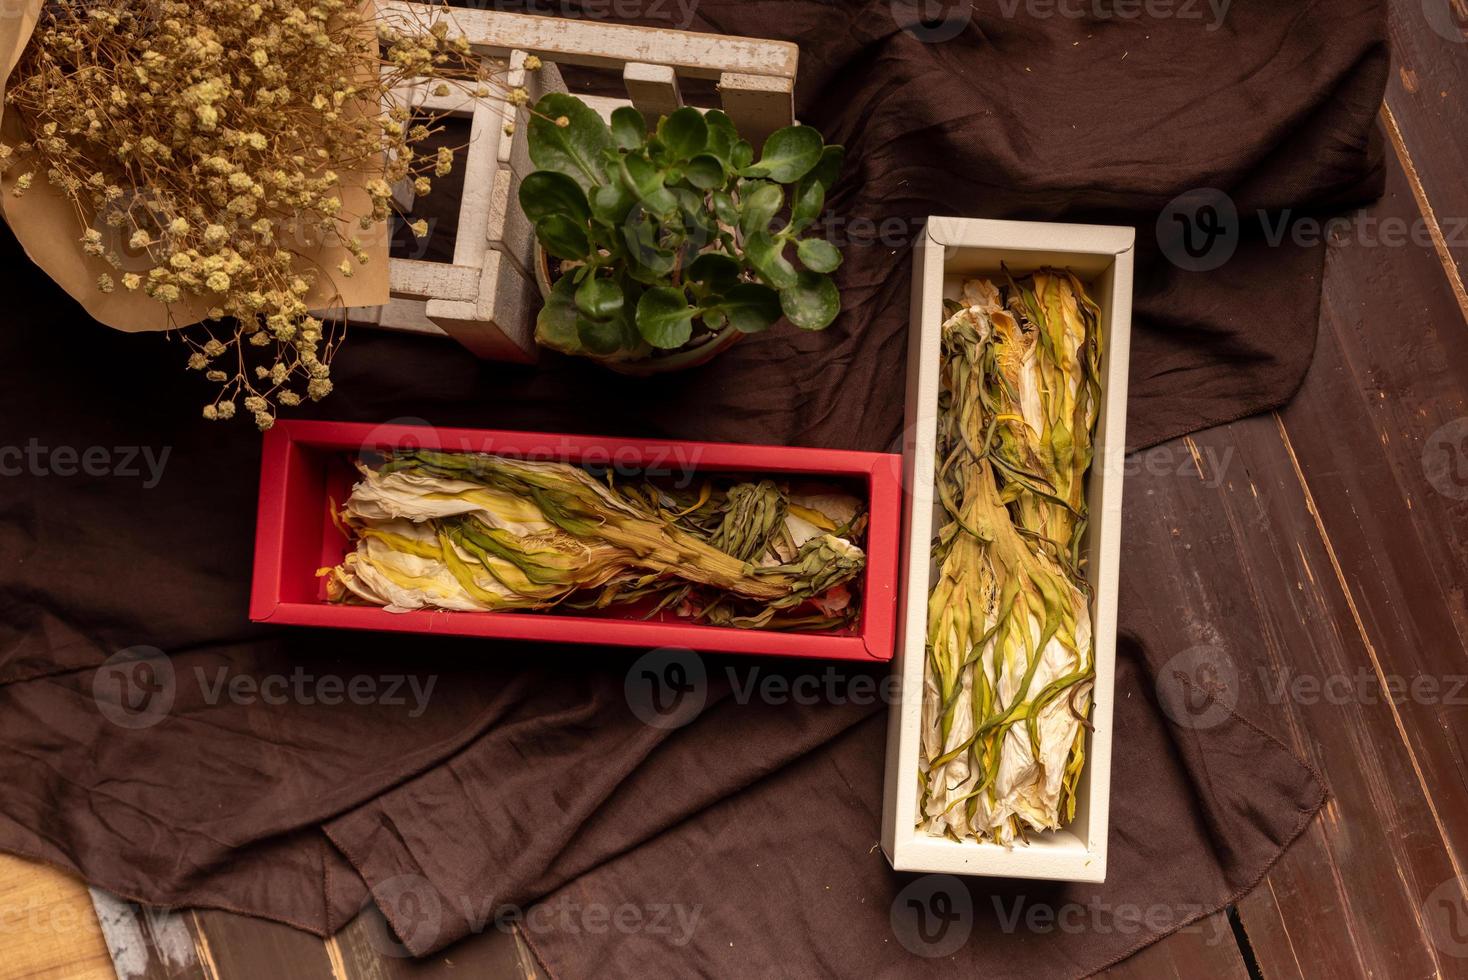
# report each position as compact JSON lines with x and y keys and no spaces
{"x":757,"y":105}
{"x":653,"y":89}
{"x":1205,"y":948}
{"x":148,"y":943}
{"x":367,"y":950}
{"x":416,"y":279}
{"x":48,"y":930}
{"x":476,"y":199}
{"x":497,"y":322}
{"x":1390,"y":375}
{"x":1220,"y":544}
{"x":598,"y":44}
{"x":239,"y":946}
{"x":1427,"y":114}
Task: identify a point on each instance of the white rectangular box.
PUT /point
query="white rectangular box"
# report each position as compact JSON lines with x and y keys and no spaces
{"x":949,"y":251}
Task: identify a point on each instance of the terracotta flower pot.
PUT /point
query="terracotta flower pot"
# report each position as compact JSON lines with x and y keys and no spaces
{"x":659,"y":362}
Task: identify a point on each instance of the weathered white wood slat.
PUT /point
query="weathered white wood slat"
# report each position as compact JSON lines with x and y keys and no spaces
{"x":416,"y":279}
{"x":597,"y":44}
{"x":653,"y":89}
{"x":510,"y":232}
{"x":603,"y":105}
{"x":498,"y":322}
{"x":476,"y":198}
{"x":401,"y":313}
{"x":757,"y":104}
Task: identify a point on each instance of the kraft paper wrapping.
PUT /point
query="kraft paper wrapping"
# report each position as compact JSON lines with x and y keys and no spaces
{"x":49,"y":228}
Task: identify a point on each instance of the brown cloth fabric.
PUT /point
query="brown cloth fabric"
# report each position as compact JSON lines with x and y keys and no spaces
{"x":154,"y":741}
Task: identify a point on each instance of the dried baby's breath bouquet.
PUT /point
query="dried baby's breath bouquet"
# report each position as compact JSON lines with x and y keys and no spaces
{"x":234,"y":161}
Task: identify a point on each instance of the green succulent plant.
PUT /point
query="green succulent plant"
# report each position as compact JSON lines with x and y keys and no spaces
{"x":668,"y":235}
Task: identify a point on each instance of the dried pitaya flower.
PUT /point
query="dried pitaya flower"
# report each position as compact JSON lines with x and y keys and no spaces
{"x":1009,"y":644}
{"x":470,"y":531}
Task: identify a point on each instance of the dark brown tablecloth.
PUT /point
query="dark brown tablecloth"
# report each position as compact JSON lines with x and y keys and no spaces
{"x":154,"y":741}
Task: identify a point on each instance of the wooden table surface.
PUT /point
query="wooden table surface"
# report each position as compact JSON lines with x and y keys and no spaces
{"x":1338,"y":526}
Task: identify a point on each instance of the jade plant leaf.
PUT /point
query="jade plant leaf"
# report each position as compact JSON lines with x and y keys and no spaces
{"x":629,"y":129}
{"x":643,"y":178}
{"x":764,"y":253}
{"x":818,"y":255}
{"x":705,"y":172}
{"x":611,"y":202}
{"x":812,"y":303}
{"x":742,"y":155}
{"x":548,"y":192}
{"x":758,"y":205}
{"x":724,"y":208}
{"x":563,"y":237}
{"x":828,"y":168}
{"x":789,"y":154}
{"x":714,"y":269}
{"x":555,"y":327}
{"x":722,"y":135}
{"x":599,"y":298}
{"x":809,"y":198}
{"x":575,"y":149}
{"x":751,"y":307}
{"x":648,"y":261}
{"x":683,"y":134}
{"x":602,"y":336}
{"x":664,"y":317}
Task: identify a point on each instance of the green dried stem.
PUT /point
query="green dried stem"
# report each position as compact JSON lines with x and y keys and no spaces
{"x":477,"y":531}
{"x":1009,"y":652}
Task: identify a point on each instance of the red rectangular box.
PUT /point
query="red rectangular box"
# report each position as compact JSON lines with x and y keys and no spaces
{"x":307,"y":468}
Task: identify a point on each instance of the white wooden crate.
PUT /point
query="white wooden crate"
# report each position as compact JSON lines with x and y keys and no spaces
{"x":486,"y":298}
{"x":950,"y":251}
